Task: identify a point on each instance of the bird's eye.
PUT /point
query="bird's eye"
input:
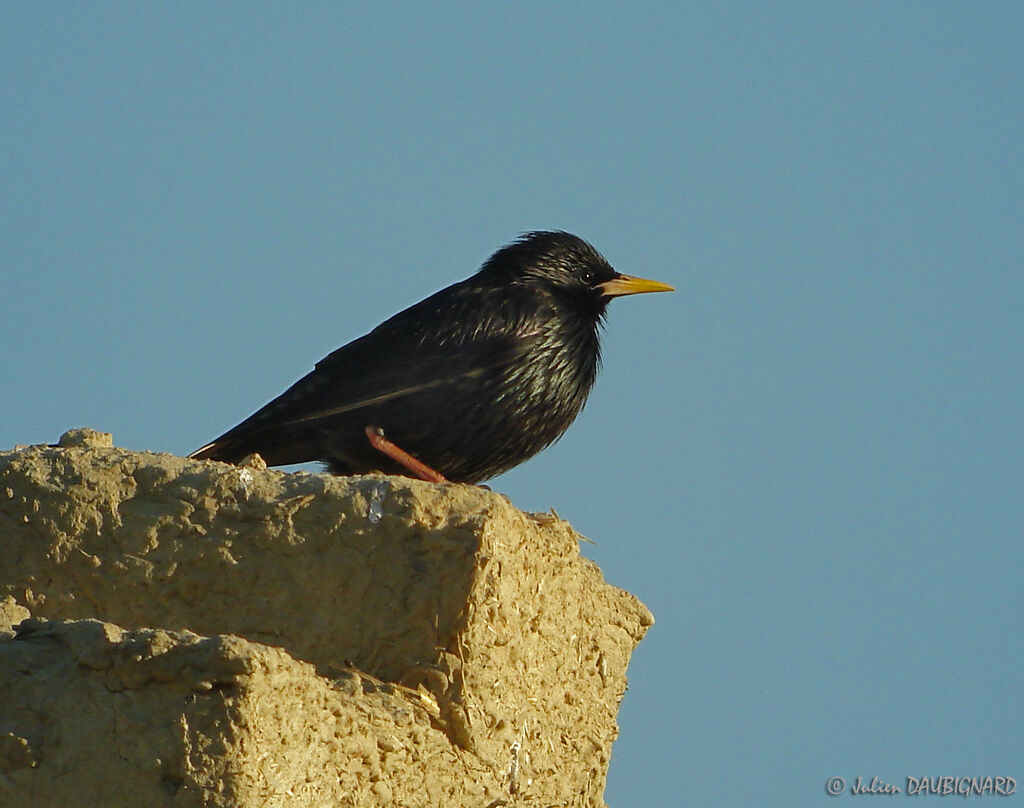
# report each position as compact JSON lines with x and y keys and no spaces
{"x":586,"y":275}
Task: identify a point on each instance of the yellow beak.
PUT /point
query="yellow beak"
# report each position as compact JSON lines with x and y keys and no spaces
{"x":628,"y":285}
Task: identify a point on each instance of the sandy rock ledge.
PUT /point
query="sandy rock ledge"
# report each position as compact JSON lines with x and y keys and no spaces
{"x":211,"y":635}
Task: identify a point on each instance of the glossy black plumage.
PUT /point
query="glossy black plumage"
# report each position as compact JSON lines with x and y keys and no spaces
{"x":472,"y":381}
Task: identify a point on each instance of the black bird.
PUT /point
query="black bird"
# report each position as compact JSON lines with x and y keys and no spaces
{"x":462,"y":386}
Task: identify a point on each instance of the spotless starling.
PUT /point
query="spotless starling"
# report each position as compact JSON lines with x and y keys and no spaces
{"x":461,"y":386}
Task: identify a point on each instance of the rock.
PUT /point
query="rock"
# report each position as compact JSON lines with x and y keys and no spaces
{"x":357,"y":640}
{"x":11,"y":613}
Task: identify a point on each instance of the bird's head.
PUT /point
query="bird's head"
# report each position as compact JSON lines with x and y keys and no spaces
{"x":567,"y":265}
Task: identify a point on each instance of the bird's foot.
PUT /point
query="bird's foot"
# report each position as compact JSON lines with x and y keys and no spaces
{"x":377,"y":440}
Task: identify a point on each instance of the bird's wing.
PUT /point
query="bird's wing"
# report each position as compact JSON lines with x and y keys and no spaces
{"x":444,"y":340}
{"x":383,"y":365}
{"x":355,"y":378}
{"x":452,"y":337}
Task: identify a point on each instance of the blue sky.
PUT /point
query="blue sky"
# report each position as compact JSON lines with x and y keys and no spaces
{"x":807,"y":461}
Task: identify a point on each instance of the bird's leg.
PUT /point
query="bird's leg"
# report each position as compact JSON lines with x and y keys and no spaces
{"x":377,"y":440}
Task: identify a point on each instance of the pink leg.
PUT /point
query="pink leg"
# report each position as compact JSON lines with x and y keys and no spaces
{"x":377,"y":440}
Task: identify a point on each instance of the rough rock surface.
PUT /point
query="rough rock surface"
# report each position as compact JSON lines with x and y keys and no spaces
{"x":357,"y":641}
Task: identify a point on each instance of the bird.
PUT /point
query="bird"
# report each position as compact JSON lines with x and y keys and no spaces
{"x":460,"y":387}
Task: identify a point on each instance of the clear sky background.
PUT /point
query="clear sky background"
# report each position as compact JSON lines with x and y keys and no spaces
{"x":808,"y":462}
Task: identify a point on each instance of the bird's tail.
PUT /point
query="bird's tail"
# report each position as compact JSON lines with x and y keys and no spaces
{"x":275,"y":447}
{"x":220,"y":449}
{"x":234,"y":445}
